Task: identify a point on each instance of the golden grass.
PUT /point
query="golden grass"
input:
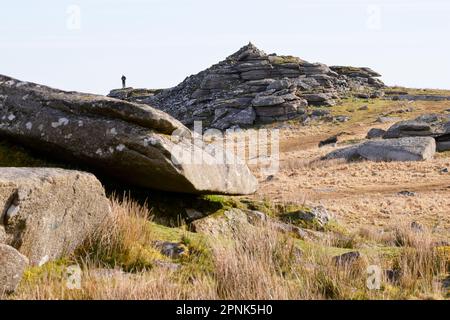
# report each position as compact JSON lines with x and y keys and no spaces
{"x":251,"y":263}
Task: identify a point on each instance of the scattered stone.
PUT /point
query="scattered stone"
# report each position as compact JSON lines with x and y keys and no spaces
{"x":12,"y":267}
{"x":407,"y":193}
{"x":444,"y":170}
{"x":443,"y":142}
{"x":331,"y":140}
{"x":321,"y":113}
{"x":386,"y":119}
{"x":347,"y":258}
{"x":375,"y":133}
{"x":167,"y":265}
{"x":342,"y":118}
{"x":393,"y":276}
{"x":417,"y":227}
{"x":193,"y":214}
{"x":226,"y":224}
{"x":403,"y":149}
{"x":363,"y":108}
{"x":128,"y":141}
{"x":223,"y":224}
{"x":50,"y":212}
{"x":172,"y":250}
{"x":316,"y":218}
{"x":428,"y":118}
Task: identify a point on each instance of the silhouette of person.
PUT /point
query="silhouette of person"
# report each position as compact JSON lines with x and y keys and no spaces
{"x":124,"y":79}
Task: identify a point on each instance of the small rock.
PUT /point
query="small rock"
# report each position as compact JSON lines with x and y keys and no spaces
{"x":392,"y":276}
{"x":407,"y":193}
{"x":320,"y":113}
{"x":193,"y":214}
{"x":342,"y":118}
{"x":347,"y":258}
{"x":444,"y":170}
{"x":362,"y":108}
{"x":12,"y":267}
{"x":331,"y":140}
{"x":386,"y":119}
{"x":167,"y":265}
{"x":375,"y":133}
{"x":319,"y":215}
{"x":172,"y":249}
{"x":416,"y":226}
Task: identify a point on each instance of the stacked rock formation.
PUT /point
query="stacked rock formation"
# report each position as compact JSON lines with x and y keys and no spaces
{"x":252,"y":87}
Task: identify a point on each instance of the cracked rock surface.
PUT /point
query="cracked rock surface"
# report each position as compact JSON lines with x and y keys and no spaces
{"x":128,"y":141}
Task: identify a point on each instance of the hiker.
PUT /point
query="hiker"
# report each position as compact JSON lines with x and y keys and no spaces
{"x":124,"y":79}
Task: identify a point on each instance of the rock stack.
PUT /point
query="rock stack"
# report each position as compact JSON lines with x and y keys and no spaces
{"x":251,"y":87}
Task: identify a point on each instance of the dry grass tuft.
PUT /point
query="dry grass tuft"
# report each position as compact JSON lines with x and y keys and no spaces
{"x":251,"y":263}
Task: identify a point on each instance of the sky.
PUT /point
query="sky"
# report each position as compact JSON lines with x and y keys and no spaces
{"x":86,"y":45}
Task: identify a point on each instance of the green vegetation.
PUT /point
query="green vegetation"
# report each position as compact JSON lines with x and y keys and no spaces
{"x":402,"y":90}
{"x":13,"y":155}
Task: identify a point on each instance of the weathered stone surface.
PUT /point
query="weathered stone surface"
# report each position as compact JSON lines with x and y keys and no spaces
{"x":319,"y":99}
{"x":129,"y":141}
{"x":347,"y":258}
{"x":231,"y":220}
{"x":173,"y":250}
{"x":252,"y":79}
{"x":443,"y":143}
{"x":47,"y":213}
{"x":375,"y":133}
{"x":408,"y":128}
{"x":12,"y":266}
{"x":331,"y":140}
{"x":401,"y":149}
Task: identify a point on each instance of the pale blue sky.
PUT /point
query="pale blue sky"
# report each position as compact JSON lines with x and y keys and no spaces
{"x":157,"y":43}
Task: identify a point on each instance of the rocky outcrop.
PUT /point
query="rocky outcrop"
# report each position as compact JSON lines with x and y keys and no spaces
{"x":12,"y":267}
{"x":408,"y":128}
{"x":228,"y":222}
{"x":131,"y":142}
{"x":426,"y":125}
{"x":401,"y":149}
{"x":251,"y":87}
{"x":48,"y":213}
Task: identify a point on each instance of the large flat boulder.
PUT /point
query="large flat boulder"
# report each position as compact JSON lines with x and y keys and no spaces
{"x":408,"y":128}
{"x":12,"y":266}
{"x":129,"y":141}
{"x":401,"y":149}
{"x":47,"y":213}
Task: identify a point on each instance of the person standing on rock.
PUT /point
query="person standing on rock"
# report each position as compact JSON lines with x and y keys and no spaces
{"x":124,"y":79}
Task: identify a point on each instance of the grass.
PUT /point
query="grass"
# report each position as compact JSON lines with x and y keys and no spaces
{"x":414,"y":91}
{"x":12,"y":155}
{"x":254,"y":263}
